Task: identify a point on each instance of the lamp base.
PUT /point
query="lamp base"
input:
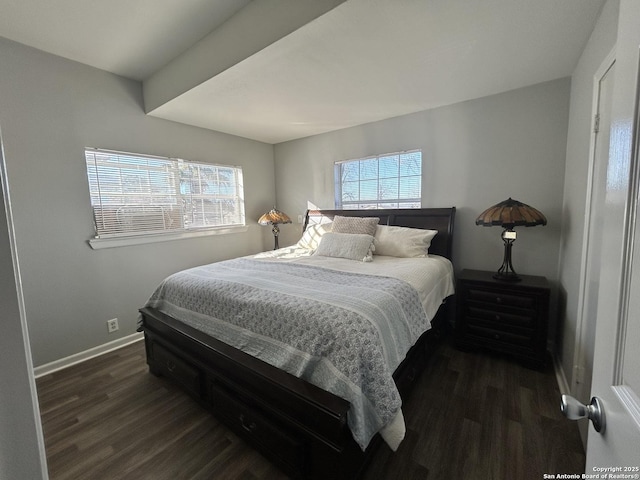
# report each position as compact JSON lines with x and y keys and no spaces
{"x":506,"y":273}
{"x":507,"y":277}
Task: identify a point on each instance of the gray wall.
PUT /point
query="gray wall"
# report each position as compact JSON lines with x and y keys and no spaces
{"x":21,"y":441}
{"x":602,"y":41}
{"x":475,"y":154}
{"x":50,"y":109}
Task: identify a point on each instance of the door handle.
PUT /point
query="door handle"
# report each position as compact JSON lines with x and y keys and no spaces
{"x":574,"y":410}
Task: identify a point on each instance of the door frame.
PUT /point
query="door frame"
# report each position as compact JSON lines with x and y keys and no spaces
{"x":584,"y":325}
{"x":22,"y":447}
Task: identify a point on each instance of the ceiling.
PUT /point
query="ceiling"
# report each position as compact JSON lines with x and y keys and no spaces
{"x":278,"y":70}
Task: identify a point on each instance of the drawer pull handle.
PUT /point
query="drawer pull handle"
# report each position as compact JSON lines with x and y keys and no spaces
{"x":249,"y":427}
{"x":496,"y":336}
{"x":498,"y":300}
{"x":498,"y":317}
{"x":171,"y":366}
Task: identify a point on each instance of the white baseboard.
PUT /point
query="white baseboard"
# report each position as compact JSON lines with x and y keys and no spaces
{"x":561,"y":378}
{"x":80,"y":357}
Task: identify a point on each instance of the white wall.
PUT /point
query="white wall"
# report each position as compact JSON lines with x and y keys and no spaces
{"x":475,"y":154}
{"x":50,"y":109}
{"x":601,"y":42}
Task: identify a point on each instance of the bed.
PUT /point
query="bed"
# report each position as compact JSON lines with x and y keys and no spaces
{"x":268,"y":392}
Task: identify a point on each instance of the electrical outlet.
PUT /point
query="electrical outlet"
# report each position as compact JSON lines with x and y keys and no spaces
{"x":300,"y":219}
{"x":112,"y":325}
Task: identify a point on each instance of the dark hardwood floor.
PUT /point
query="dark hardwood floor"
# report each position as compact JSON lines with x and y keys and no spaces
{"x":471,"y":416}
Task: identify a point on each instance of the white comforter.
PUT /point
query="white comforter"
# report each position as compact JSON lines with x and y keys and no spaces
{"x":431,"y":276}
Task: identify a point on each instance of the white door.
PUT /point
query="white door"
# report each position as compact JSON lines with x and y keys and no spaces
{"x":616,"y":375}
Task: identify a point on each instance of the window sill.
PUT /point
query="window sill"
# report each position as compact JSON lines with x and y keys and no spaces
{"x":100,"y":243}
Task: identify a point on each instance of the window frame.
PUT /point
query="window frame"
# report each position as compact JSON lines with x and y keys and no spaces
{"x":173,"y":189}
{"x":380,"y":203}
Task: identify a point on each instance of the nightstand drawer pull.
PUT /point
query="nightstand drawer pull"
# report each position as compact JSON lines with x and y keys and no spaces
{"x":498,"y":318}
{"x":249,"y":427}
{"x":498,"y":300}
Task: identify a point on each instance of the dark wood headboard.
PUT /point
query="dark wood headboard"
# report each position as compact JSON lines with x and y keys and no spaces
{"x":441,"y":219}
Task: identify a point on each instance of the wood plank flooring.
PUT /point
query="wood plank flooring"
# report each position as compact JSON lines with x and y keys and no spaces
{"x":471,"y":416}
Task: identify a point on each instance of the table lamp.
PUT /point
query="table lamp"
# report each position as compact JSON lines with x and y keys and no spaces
{"x":274,"y":217}
{"x":509,"y":214}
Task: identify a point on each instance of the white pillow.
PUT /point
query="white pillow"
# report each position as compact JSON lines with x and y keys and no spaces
{"x":403,"y":242}
{"x":353,"y":246}
{"x":312,"y":235}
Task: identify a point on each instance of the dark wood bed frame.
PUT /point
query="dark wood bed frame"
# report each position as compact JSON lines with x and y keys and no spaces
{"x":298,"y":426}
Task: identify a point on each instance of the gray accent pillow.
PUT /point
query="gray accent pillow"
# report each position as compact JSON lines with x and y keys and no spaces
{"x":353,"y":246}
{"x":361,"y":225}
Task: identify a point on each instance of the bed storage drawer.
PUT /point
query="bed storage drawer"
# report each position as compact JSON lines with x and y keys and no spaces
{"x":277,"y":442}
{"x":168,"y":364}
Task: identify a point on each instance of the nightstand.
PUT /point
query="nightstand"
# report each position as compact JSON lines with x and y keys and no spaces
{"x":506,"y":317}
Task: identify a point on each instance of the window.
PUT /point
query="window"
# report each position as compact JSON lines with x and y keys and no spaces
{"x":392,"y":180}
{"x":134,"y":194}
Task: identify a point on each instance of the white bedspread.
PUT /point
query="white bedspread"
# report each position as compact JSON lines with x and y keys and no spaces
{"x":431,"y":276}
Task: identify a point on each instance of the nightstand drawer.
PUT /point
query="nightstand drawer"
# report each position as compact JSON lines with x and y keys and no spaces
{"x":495,"y":297}
{"x":510,"y":338}
{"x":525,"y":318}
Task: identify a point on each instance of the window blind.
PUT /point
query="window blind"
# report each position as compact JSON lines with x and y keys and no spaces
{"x":135,"y":194}
{"x":391,"y":180}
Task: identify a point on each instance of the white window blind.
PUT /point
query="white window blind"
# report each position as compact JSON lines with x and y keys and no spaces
{"x":133,"y":194}
{"x":392,"y":180}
